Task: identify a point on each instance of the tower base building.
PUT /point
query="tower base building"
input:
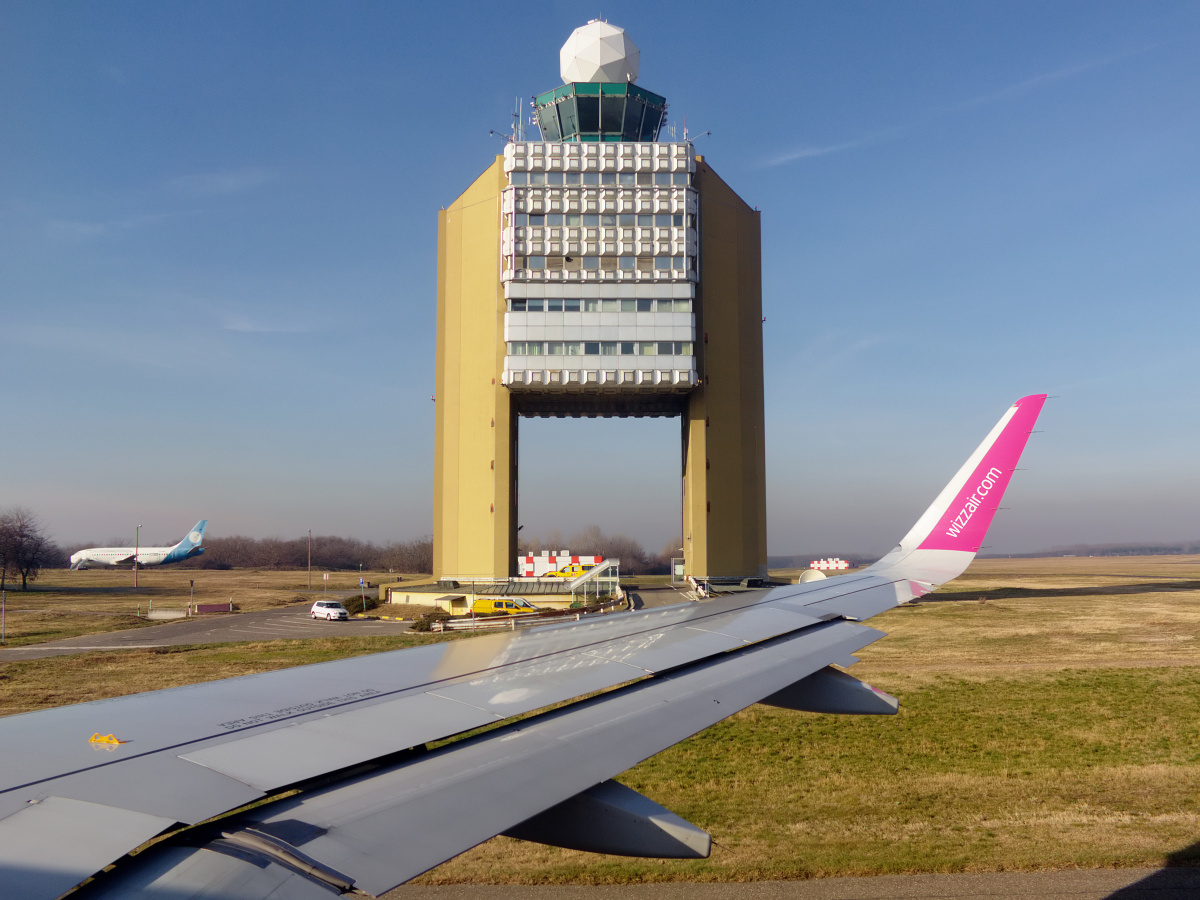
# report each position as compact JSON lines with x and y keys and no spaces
{"x":599,"y":272}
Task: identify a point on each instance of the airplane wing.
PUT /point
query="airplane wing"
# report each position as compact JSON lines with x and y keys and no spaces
{"x":356,"y":785}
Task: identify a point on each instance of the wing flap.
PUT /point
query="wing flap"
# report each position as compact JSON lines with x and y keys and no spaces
{"x":32,"y":862}
{"x":157,"y":785}
{"x":220,"y":871}
{"x":284,"y":756}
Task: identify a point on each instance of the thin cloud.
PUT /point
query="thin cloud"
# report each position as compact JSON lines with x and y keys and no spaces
{"x":1029,"y":85}
{"x":830,"y":351}
{"x":75,"y":230}
{"x":168,"y":350}
{"x":813,"y":152}
{"x":1005,"y":94}
{"x":210,"y":184}
{"x":245,"y":325}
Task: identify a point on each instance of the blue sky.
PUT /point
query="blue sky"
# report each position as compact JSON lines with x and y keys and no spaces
{"x":218,"y":234}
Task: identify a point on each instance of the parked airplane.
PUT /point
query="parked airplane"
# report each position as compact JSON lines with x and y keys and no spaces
{"x":343,"y":778}
{"x":146,"y":556}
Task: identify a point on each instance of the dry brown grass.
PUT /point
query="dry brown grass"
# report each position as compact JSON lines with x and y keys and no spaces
{"x":29,"y":685}
{"x":1102,"y":630}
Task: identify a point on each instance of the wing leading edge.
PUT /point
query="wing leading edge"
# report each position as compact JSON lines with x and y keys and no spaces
{"x":375,"y":807}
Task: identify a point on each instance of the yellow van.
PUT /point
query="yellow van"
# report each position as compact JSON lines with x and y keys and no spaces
{"x":502,"y":606}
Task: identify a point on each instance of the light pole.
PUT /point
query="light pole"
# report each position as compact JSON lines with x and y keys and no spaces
{"x":137,"y":535}
{"x":310,"y":559}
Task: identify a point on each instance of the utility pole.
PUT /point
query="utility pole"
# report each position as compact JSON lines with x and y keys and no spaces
{"x":137,"y":536}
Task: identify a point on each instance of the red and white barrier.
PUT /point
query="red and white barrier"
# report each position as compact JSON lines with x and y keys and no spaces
{"x":546,"y":562}
{"x":825,"y":565}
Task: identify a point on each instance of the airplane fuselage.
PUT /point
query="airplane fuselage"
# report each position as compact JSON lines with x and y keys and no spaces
{"x":145,"y":556}
{"x":119,"y":556}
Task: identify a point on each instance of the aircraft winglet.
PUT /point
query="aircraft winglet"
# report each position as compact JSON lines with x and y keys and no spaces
{"x":946,"y":538}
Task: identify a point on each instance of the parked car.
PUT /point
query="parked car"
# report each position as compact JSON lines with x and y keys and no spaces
{"x":329,"y":610}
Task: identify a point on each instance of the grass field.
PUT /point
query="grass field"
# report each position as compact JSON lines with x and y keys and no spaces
{"x":1050,"y":718}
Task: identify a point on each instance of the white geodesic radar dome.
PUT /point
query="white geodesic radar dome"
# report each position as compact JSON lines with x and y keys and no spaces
{"x":598,"y":51}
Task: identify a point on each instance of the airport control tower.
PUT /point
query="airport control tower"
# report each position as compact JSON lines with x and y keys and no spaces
{"x":599,"y":272}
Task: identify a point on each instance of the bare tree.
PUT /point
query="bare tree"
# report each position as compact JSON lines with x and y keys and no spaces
{"x":24,"y":546}
{"x":8,"y":549}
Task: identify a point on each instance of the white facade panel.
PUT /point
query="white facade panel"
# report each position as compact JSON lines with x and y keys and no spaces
{"x":602,"y":238}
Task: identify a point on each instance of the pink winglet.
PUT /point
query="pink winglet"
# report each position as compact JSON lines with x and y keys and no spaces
{"x":965,"y":521}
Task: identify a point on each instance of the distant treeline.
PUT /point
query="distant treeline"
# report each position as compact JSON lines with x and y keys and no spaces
{"x":338,"y":553}
{"x":328,"y":553}
{"x":1184,"y":548}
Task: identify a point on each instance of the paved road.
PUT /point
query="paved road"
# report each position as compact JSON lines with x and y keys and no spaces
{"x":263,"y":625}
{"x":1076,"y":884}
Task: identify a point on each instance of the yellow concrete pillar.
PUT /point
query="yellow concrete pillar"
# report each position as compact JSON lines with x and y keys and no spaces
{"x":724,"y":455}
{"x":474,"y":515}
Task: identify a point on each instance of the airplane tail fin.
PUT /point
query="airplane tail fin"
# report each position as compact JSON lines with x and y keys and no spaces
{"x":190,"y":545}
{"x":946,"y":538}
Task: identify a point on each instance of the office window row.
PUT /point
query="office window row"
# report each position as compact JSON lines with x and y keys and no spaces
{"x":604,"y":263}
{"x":602,"y":305}
{"x":599,"y":348}
{"x":626,"y":179}
{"x":595,"y":220}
